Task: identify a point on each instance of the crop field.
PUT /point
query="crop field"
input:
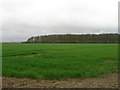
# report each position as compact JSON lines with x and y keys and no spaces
{"x":59,"y":61}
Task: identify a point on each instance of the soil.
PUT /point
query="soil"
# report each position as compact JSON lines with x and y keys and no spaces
{"x":0,"y":82}
{"x":106,"y":81}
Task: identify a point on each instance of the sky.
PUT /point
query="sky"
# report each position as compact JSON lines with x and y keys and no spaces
{"x":21,"y":19}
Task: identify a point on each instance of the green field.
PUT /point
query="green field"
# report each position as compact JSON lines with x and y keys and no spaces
{"x":59,"y":61}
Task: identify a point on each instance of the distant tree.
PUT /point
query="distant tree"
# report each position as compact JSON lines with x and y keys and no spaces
{"x":72,"y":38}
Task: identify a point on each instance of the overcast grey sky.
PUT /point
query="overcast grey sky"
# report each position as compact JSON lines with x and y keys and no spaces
{"x":22,"y":19}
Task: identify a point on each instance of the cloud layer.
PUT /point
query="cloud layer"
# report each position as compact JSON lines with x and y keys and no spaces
{"x":25,"y":18}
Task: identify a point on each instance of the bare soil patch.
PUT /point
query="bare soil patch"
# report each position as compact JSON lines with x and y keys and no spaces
{"x":105,"y":81}
{"x":0,"y":82}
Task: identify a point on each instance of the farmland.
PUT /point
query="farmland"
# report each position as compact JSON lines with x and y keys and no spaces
{"x":59,"y":61}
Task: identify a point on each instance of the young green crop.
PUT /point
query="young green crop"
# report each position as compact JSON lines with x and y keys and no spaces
{"x":59,"y":61}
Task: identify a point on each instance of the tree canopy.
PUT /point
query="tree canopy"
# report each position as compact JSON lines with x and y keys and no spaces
{"x":75,"y":38}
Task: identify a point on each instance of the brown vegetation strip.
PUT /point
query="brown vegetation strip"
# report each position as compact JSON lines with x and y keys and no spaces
{"x":106,"y":81}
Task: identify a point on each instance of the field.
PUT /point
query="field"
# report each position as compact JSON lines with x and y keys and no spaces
{"x":59,"y":61}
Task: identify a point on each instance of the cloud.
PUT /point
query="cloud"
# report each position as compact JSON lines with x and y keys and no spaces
{"x":25,"y":18}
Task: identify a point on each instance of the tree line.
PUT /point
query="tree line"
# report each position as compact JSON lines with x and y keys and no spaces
{"x":74,"y":38}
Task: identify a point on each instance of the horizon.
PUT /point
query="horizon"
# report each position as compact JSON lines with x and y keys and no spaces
{"x":12,"y":41}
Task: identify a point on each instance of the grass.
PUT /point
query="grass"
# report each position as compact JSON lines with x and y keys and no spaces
{"x":59,"y":61}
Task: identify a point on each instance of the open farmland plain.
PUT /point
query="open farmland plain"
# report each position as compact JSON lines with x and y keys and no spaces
{"x":59,"y":61}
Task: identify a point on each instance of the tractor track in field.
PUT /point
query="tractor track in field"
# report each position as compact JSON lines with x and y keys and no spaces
{"x":105,"y":81}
